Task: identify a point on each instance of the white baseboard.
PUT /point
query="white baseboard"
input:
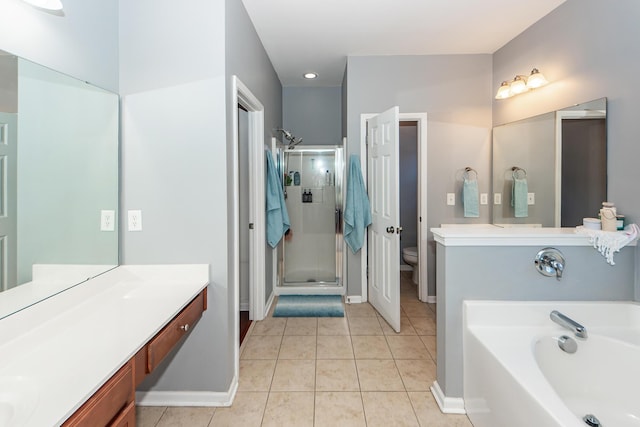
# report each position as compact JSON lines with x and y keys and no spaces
{"x":353,"y":299}
{"x":267,"y":306}
{"x":244,"y":306}
{"x":431,"y":299}
{"x":188,"y":398}
{"x":405,"y":267}
{"x":448,"y":405}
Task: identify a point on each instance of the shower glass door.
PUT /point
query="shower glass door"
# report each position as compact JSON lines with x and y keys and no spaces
{"x":313,"y":192}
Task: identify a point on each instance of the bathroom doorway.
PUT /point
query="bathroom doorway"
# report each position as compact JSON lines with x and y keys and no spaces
{"x":408,"y":186}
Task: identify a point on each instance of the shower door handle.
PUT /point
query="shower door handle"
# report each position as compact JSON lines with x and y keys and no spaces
{"x":338,"y":218}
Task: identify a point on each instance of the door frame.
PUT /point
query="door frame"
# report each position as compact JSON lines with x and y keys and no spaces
{"x":423,"y":229}
{"x":241,"y":95}
{"x":560,"y":116}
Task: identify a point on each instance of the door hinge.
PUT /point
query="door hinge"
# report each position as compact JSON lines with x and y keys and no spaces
{"x":250,"y":226}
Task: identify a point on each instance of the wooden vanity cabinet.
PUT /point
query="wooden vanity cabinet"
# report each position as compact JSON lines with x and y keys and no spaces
{"x":113,"y":404}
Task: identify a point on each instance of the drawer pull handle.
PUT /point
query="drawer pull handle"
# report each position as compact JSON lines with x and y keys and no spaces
{"x":185,"y":327}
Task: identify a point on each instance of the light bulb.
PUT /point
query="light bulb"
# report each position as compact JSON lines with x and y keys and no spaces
{"x":518,"y":86}
{"x":503,"y":91}
{"x":536,"y":79}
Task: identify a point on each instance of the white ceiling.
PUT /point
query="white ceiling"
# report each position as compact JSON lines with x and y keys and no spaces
{"x":305,"y":35}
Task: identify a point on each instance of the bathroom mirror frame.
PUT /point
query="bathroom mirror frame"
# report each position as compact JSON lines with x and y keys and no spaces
{"x":534,"y":144}
{"x":59,"y":182}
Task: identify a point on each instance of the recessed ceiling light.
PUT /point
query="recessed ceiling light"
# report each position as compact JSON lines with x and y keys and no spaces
{"x":46,"y":4}
{"x":310,"y":75}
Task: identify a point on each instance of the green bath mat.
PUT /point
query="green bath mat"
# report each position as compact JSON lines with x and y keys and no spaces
{"x":309,"y":306}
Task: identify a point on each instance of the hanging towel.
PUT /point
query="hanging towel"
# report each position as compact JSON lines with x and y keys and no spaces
{"x":519,"y":197}
{"x":277,"y":215}
{"x":470,"y":198}
{"x":357,"y":212}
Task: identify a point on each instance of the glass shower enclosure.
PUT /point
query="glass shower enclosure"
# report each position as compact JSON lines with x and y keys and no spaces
{"x":313,"y":249}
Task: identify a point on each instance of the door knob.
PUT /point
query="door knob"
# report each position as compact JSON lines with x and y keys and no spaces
{"x":399,"y":230}
{"x":390,"y":229}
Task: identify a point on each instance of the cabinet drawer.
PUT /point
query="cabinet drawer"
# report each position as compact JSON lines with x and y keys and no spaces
{"x":162,"y":343}
{"x":106,"y":404}
{"x":127,"y":417}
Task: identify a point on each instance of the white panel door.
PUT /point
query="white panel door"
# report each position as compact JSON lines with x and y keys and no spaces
{"x":383,"y":236}
{"x":8,"y":188}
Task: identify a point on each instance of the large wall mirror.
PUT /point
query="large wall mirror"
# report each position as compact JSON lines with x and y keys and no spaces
{"x":58,"y":182}
{"x":551,"y":170}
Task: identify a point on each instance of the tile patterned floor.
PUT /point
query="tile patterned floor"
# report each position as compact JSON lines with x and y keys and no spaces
{"x":351,"y":371}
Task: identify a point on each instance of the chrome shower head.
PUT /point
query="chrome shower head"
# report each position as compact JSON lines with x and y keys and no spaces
{"x":293,"y":141}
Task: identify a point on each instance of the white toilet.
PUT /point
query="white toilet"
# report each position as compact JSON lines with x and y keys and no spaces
{"x":410,"y":256}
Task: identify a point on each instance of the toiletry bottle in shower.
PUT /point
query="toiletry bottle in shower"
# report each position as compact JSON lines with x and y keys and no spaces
{"x":296,"y":178}
{"x":310,"y":197}
{"x":327,"y":178}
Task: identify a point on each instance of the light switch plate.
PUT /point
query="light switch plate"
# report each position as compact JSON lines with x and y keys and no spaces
{"x":497,"y":198}
{"x":107,"y":220}
{"x":484,"y":198}
{"x":135,"y":220}
{"x":451,"y":199}
{"x":531,"y":198}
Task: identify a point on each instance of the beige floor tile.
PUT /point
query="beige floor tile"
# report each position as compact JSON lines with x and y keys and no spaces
{"x":333,"y":326}
{"x":417,"y":309}
{"x":417,"y":375}
{"x":371,"y":347}
{"x":294,"y":375}
{"x":405,"y":327}
{"x":269,"y":326}
{"x":298,"y":347}
{"x":261,"y":347}
{"x":364,"y":326}
{"x":381,"y":407}
{"x":148,"y":416}
{"x":423,"y":325}
{"x":186,"y":417}
{"x":301,"y":326}
{"x":334,"y":347}
{"x":379,"y":375}
{"x":286,"y":409}
{"x":429,"y":414}
{"x":360,"y":310}
{"x":407,"y":347}
{"x":247,"y":411}
{"x":342,"y":409}
{"x":336,"y":375}
{"x":256,"y":375}
{"x":430,"y":344}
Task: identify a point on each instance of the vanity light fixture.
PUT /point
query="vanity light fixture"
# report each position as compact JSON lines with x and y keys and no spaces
{"x":55,"y":5}
{"x":521,"y":84}
{"x":310,"y":76}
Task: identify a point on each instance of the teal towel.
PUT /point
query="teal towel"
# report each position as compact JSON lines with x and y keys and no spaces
{"x":357,"y":212}
{"x":519,"y":193}
{"x":277,"y":215}
{"x":470,"y":198}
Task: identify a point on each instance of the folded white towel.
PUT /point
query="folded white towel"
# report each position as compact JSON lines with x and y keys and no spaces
{"x":609,"y":242}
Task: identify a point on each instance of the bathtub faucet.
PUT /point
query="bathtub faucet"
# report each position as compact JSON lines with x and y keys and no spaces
{"x":568,"y":323}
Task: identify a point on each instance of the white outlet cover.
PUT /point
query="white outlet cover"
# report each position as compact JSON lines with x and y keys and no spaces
{"x":484,"y":198}
{"x":107,"y":220}
{"x":134,"y":220}
{"x":497,"y":198}
{"x":531,"y":198}
{"x":451,"y":199}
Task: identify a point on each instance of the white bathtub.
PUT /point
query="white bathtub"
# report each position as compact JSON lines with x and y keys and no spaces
{"x":515,"y":374}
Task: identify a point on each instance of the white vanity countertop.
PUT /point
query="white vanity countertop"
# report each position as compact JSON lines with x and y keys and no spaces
{"x":61,"y":350}
{"x":511,"y":236}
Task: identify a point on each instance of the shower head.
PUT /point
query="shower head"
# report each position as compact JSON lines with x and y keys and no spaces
{"x":293,"y":141}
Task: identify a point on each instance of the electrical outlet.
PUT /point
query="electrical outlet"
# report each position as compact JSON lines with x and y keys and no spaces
{"x":531,"y":198}
{"x":497,"y":198}
{"x":107,"y":220}
{"x":484,"y":198}
{"x":135,"y":220}
{"x":451,"y":199}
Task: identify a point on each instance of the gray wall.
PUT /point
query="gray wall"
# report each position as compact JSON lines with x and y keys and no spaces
{"x":587,"y":50}
{"x":508,"y":273}
{"x":313,"y":114}
{"x":455,"y":92}
{"x":174,"y":167}
{"x":247,"y":59}
{"x":83,"y":44}
{"x":408,"y":161}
